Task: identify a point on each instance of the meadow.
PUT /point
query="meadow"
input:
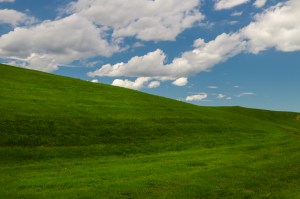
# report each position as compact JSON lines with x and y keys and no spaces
{"x":67,"y":138}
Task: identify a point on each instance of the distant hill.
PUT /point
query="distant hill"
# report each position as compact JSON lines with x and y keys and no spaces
{"x":45,"y":117}
{"x":44,"y":109}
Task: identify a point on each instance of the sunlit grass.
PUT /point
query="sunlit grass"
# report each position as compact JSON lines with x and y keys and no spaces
{"x":66,"y":138}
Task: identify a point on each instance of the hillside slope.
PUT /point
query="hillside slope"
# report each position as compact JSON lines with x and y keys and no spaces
{"x":47,"y":120}
{"x":44,"y":109}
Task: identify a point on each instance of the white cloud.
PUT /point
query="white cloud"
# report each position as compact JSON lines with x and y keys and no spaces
{"x":245,"y":94}
{"x":227,"y":4}
{"x":154,"y":84}
{"x":144,"y":19}
{"x":138,"y":84}
{"x":191,"y":62}
{"x":95,"y":81}
{"x":198,"y":97}
{"x":182,"y":81}
{"x":213,"y":87}
{"x":221,"y":96}
{"x":7,"y":1}
{"x":14,"y":18}
{"x":278,"y":27}
{"x":41,"y":47}
{"x":151,"y":64}
{"x":260,"y":3}
{"x":198,"y":43}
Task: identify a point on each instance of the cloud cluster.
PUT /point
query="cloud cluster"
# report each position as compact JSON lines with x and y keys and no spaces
{"x":92,"y":28}
{"x":15,"y":18}
{"x":138,"y":84}
{"x":191,"y":62}
{"x":144,"y":19}
{"x":277,"y":27}
{"x":52,"y":43}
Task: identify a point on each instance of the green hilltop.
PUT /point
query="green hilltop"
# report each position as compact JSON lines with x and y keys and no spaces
{"x":66,"y":138}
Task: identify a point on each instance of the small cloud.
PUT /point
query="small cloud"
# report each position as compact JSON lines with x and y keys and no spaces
{"x":259,"y":3}
{"x":138,"y":84}
{"x":236,"y":14}
{"x":228,"y":98}
{"x":15,"y":18}
{"x":199,"y":43}
{"x":198,"y":97}
{"x":232,"y":22}
{"x":95,"y":81}
{"x":138,"y":44}
{"x":206,"y":25}
{"x":154,"y":84}
{"x":180,"y":81}
{"x":236,"y":86}
{"x":245,"y":94}
{"x":213,"y":87}
{"x":221,"y":96}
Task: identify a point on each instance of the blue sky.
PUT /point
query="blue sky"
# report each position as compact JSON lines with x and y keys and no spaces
{"x":211,"y":53}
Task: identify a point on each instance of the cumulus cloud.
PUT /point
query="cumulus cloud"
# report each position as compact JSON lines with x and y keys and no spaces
{"x":198,"y":97}
{"x":138,"y":84}
{"x":260,"y":3}
{"x":144,"y":19}
{"x":213,"y":87}
{"x":14,"y":18}
{"x":227,"y":4}
{"x":191,"y":62}
{"x":182,"y":81}
{"x":151,"y":64}
{"x":52,"y":43}
{"x":86,"y":29}
{"x":277,"y":27}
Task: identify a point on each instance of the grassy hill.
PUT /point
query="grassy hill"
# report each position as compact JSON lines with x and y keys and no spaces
{"x":67,"y":138}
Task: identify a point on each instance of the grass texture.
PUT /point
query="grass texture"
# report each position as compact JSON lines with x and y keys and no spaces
{"x":67,"y":138}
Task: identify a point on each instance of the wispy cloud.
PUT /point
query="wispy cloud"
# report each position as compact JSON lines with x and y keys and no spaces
{"x":221,"y":96}
{"x":227,"y":4}
{"x":245,"y":94}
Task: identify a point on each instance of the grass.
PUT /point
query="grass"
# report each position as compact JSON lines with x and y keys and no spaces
{"x":66,"y":138}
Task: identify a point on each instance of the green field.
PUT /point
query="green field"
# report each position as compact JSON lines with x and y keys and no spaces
{"x":67,"y":138}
